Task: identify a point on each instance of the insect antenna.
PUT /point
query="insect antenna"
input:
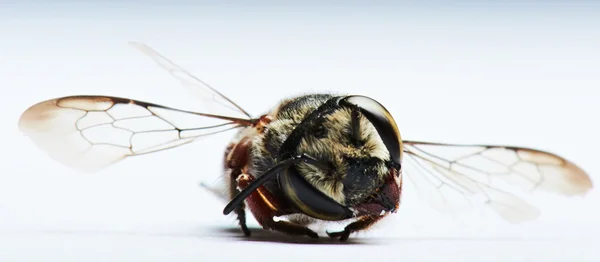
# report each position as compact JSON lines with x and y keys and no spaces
{"x":356,"y":127}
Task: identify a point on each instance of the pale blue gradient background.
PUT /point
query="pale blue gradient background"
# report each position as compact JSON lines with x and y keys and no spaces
{"x":525,"y":73}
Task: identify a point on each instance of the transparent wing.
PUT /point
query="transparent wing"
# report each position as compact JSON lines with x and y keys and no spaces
{"x":212,"y":100}
{"x":91,"y":132}
{"x":451,"y":177}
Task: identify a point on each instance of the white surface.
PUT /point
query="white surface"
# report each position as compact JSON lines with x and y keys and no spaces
{"x":509,"y":77}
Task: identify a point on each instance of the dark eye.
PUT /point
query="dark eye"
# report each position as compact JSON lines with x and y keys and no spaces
{"x":310,"y":200}
{"x":382,"y":121}
{"x":320,"y":132}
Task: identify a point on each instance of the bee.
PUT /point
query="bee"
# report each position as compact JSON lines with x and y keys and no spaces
{"x":312,"y":158}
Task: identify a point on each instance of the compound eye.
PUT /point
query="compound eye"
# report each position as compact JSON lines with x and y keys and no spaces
{"x":381,"y":119}
{"x":308,"y":199}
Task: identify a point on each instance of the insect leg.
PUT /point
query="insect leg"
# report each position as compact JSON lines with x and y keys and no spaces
{"x":362,"y":223}
{"x":235,"y":160}
{"x":240,"y":210}
{"x":265,"y":206}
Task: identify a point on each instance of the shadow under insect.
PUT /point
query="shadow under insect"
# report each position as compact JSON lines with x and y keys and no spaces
{"x":262,"y":235}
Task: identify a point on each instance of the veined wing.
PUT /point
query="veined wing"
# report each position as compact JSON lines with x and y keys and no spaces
{"x":212,"y":100}
{"x":489,"y":173}
{"x":91,"y":132}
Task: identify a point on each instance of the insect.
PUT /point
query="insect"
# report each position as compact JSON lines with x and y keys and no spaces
{"x":312,"y":158}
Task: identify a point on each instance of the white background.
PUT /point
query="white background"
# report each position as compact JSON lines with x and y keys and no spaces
{"x":514,"y":76}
